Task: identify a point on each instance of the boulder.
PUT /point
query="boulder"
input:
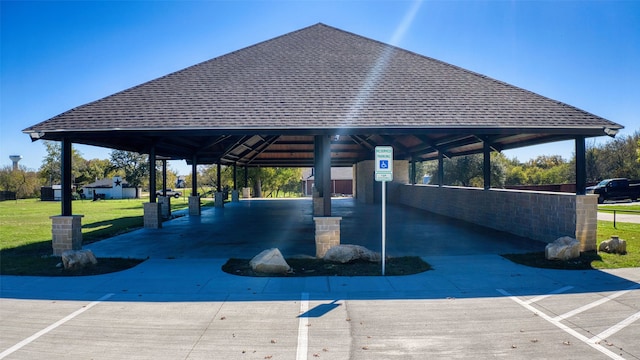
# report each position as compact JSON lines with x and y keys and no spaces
{"x":346,"y":253}
{"x":615,"y":245}
{"x":78,"y":259}
{"x":269,"y":261}
{"x":563,"y":248}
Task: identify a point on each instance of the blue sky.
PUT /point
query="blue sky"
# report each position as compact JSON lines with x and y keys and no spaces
{"x":59,"y":55}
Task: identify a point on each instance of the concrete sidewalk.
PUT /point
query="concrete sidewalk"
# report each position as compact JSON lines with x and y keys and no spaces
{"x":179,"y":304}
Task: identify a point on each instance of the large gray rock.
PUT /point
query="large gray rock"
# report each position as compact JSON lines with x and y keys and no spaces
{"x":269,"y":261}
{"x":78,"y":259}
{"x":563,"y":248}
{"x":615,"y":245}
{"x":346,"y":253}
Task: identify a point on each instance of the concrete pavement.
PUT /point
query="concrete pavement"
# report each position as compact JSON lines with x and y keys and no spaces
{"x":182,"y":306}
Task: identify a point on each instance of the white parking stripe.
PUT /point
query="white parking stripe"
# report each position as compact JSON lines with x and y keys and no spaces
{"x":617,"y":327}
{"x":560,"y":325}
{"x":303,"y":329}
{"x":554,"y":292}
{"x":51,"y":327}
{"x":595,"y":303}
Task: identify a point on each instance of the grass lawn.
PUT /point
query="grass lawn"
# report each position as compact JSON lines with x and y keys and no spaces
{"x":601,"y":260}
{"x":25,"y":236}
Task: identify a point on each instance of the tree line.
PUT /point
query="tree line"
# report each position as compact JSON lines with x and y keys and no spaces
{"x":619,"y":157}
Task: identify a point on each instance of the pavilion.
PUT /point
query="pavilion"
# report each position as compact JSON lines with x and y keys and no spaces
{"x":322,"y":97}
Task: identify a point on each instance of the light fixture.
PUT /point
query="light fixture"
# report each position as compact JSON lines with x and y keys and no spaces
{"x":36,"y":135}
{"x":611,"y":132}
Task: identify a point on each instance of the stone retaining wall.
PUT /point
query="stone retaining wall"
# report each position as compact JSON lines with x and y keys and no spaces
{"x":542,"y":216}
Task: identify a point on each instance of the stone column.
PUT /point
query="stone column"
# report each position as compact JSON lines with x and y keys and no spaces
{"x":219,"y":200}
{"x":194,"y":205}
{"x":152,"y":215}
{"x":165,"y":206}
{"x":327,"y":233}
{"x":66,"y":233}
{"x":235,"y":196}
{"x":587,"y":221}
{"x":246,"y":192}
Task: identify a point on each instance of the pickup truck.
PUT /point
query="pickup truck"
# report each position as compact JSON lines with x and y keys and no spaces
{"x":170,"y":192}
{"x":615,"y":189}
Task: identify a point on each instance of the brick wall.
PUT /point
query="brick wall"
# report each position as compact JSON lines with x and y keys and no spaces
{"x":542,"y":216}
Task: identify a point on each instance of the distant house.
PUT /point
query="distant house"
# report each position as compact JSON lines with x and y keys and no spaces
{"x":341,"y":181}
{"x":115,"y":188}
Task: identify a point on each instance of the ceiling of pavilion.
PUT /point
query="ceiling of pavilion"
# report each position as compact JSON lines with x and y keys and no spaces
{"x":263,"y":105}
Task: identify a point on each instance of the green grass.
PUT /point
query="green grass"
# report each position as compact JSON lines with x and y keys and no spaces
{"x":25,"y":235}
{"x":591,"y":260}
{"x":609,"y":208}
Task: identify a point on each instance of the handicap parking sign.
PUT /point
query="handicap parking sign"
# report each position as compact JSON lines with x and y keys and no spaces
{"x":384,"y":164}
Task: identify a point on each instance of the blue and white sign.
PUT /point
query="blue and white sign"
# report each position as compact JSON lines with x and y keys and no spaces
{"x":384,"y":163}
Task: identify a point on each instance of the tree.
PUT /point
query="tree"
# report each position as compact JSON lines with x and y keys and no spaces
{"x":50,"y":168}
{"x":134,"y":166}
{"x":25,"y":183}
{"x":93,"y":170}
{"x":468,"y":170}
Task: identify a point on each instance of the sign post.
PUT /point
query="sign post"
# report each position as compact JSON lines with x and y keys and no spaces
{"x":384,"y":173}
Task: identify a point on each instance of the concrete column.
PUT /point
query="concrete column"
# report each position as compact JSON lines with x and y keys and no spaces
{"x":165,"y":206}
{"x":587,"y":221}
{"x":235,"y":195}
{"x":219,"y":200}
{"x":194,"y":205}
{"x":66,"y":233}
{"x":152,"y":215}
{"x":327,"y":233}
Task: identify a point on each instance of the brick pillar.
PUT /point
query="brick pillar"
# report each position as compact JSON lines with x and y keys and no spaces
{"x":587,"y":221}
{"x":152,"y":216}
{"x":66,"y":233}
{"x":246,"y":192}
{"x":165,"y":206}
{"x":194,"y":205}
{"x":219,"y":200}
{"x":235,"y":196}
{"x":327,"y":233}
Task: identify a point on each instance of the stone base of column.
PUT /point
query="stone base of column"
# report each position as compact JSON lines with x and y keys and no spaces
{"x":219,"y":200}
{"x":327,"y":234}
{"x":246,"y":193}
{"x":587,"y":221}
{"x":165,"y":206}
{"x":66,"y":233}
{"x":194,"y":205}
{"x":235,"y":196}
{"x":152,"y":215}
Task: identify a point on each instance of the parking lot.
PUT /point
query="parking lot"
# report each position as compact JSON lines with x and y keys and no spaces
{"x":473,"y":304}
{"x":190,"y":309}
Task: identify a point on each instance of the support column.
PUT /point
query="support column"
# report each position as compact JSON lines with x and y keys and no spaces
{"x":322,"y":171}
{"x":165,"y":206}
{"x":413,"y":171}
{"x":486,"y":164}
{"x":581,"y":166}
{"x":66,"y":229}
{"x":152,"y":217}
{"x":194,"y":199}
{"x":327,"y":234}
{"x":219,"y":196}
{"x":66,"y":232}
{"x":235,"y":196}
{"x":587,"y":221}
{"x":440,"y":169}
{"x":246,"y":190}
{"x":65,"y":172}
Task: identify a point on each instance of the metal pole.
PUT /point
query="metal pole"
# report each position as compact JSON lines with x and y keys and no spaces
{"x":384,"y":224}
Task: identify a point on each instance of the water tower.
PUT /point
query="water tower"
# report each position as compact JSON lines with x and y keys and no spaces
{"x":15,"y":159}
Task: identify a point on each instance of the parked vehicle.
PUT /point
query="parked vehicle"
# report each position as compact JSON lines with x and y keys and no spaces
{"x":615,"y":189}
{"x":170,"y":192}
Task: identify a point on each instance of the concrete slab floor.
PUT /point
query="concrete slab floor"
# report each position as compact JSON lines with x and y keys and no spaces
{"x":243,"y":229}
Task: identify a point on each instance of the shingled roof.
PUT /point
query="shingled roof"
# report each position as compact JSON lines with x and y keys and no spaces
{"x":262,"y":105}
